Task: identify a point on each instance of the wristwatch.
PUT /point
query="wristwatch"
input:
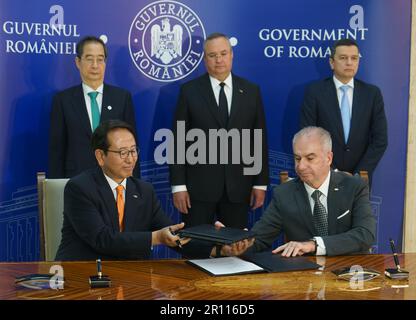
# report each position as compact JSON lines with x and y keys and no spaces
{"x":316,"y":245}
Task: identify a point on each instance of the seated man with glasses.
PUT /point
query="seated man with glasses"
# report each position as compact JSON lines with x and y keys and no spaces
{"x":111,"y":215}
{"x":77,"y":111}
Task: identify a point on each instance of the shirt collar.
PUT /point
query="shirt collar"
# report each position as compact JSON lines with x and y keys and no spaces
{"x":113,"y":184}
{"x":323,"y":188}
{"x":87,"y":89}
{"x":339,"y":84}
{"x":228,"y":81}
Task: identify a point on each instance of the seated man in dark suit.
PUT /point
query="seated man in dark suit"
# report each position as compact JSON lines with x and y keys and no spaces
{"x":321,"y":212}
{"x":78,"y":110}
{"x":111,"y":215}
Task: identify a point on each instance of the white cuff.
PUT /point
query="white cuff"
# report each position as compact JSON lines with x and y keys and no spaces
{"x":321,"y":249}
{"x":260,"y":187}
{"x":179,"y":188}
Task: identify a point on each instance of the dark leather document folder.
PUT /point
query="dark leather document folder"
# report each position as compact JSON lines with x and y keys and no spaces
{"x":221,"y":235}
{"x":276,"y":263}
{"x":253,"y":263}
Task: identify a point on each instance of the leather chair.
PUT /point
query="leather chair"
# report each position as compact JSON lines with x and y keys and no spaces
{"x":51,"y":207}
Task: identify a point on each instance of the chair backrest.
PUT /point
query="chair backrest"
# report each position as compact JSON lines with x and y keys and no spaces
{"x":284,"y":176}
{"x":51,"y":207}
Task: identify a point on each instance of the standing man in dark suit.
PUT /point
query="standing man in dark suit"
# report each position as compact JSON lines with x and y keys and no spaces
{"x":77,"y":111}
{"x":351,"y":110}
{"x":111,"y":215}
{"x":220,"y":100}
{"x":321,"y":212}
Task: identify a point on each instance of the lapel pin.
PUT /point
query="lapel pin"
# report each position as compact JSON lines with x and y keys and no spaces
{"x":109,"y":107}
{"x":336,"y":189}
{"x":241,"y":90}
{"x":135,"y":196}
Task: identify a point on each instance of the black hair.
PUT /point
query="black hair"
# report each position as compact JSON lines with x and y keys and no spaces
{"x":343,"y":42}
{"x":88,"y":39}
{"x":99,"y":138}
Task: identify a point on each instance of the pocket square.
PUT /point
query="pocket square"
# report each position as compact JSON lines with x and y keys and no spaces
{"x":344,"y":214}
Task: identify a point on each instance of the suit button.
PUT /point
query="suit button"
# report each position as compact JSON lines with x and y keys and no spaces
{"x":347,"y":149}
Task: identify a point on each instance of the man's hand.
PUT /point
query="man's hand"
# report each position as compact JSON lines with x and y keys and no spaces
{"x":168,"y":236}
{"x":257,"y":198}
{"x":182,"y":201}
{"x":293,"y":248}
{"x":237,"y":248}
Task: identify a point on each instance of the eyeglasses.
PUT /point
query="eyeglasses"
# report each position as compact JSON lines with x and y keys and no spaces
{"x":91,"y":61}
{"x":125,"y":153}
{"x":214,"y":56}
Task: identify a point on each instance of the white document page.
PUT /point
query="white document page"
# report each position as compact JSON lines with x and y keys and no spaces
{"x":226,"y":265}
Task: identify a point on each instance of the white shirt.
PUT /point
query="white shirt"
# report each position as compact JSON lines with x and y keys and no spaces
{"x":321,"y":250}
{"x":228,"y":90}
{"x":114,"y":185}
{"x":87,"y":99}
{"x":340,"y":93}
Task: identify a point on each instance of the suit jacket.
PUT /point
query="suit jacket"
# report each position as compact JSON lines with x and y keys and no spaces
{"x":91,"y":230}
{"x":290,"y":212}
{"x":368,"y":132}
{"x":198,"y":108}
{"x":70,"y":150}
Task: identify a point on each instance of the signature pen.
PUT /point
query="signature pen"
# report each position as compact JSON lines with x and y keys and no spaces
{"x":396,"y":258}
{"x":178,"y":242}
{"x":99,"y":271}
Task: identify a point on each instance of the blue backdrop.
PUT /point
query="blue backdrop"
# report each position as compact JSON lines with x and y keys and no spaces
{"x":281,"y":45}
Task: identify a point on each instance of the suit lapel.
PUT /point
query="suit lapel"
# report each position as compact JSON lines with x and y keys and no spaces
{"x":304,"y":207}
{"x":356,"y":109}
{"x":334,"y":199}
{"x":80,"y":109}
{"x":334,"y":110}
{"x":107,"y":105}
{"x":133,"y":201}
{"x":206,"y":91}
{"x":237,"y":100}
{"x":108,"y":199}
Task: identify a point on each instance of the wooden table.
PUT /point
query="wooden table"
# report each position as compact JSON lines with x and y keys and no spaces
{"x":175,"y":279}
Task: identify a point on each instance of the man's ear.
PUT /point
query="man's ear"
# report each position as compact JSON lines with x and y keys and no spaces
{"x":77,"y":62}
{"x":331,"y":63}
{"x":99,"y":155}
{"x":330,"y":157}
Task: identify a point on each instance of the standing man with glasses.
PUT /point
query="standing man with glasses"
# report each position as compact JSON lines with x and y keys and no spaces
{"x":351,"y":110}
{"x":111,"y":215}
{"x":220,"y":100}
{"x":77,"y":111}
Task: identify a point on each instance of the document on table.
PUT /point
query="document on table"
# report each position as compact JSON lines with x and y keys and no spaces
{"x":226,"y":266}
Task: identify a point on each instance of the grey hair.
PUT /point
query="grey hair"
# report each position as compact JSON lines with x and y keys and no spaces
{"x":322,"y":134}
{"x":217,"y":35}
